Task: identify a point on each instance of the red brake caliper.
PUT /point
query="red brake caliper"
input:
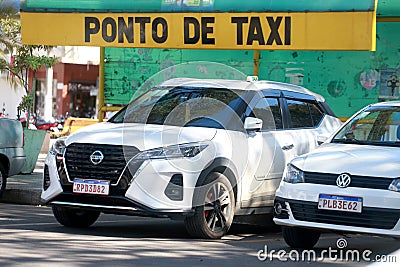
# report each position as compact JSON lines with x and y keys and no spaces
{"x":209,"y":196}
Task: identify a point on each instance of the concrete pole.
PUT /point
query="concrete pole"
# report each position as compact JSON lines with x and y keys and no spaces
{"x":48,"y":99}
{"x":256,"y":62}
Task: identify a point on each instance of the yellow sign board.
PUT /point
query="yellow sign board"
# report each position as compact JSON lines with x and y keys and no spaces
{"x":250,"y":31}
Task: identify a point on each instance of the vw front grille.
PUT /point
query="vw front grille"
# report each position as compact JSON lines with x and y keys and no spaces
{"x":356,"y":181}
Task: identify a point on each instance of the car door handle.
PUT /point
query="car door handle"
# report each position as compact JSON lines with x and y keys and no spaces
{"x":288,"y":147}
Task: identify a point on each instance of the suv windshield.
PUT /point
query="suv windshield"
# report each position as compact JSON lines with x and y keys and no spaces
{"x":374,"y":125}
{"x":186,"y":106}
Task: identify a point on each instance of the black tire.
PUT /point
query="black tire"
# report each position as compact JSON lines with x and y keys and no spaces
{"x":213,"y":215}
{"x":3,"y":179}
{"x":76,"y":218}
{"x":300,"y":237}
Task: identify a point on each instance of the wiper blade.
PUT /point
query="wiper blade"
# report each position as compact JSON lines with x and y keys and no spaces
{"x":347,"y":141}
{"x":372,"y":143}
{"x":395,"y":143}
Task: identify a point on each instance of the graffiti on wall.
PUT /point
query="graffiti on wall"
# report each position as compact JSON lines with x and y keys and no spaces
{"x":294,"y":72}
{"x":389,"y":84}
{"x":336,"y":88}
{"x":370,"y":79}
{"x":290,"y":72}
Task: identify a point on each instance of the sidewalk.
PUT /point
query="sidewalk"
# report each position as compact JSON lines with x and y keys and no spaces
{"x":25,"y":188}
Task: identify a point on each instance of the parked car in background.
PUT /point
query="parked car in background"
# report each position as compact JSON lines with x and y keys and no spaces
{"x":349,"y":184}
{"x":202,"y":151}
{"x":70,"y":125}
{"x":12,"y":156}
{"x":41,"y":123}
{"x":47,"y":125}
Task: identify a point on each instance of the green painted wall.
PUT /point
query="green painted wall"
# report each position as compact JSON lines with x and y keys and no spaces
{"x":193,"y":5}
{"x":388,"y":8}
{"x":348,"y":80}
{"x":126,"y":69}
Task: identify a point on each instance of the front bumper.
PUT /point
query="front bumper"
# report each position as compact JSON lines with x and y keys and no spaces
{"x":298,"y":207}
{"x":105,"y":206}
{"x":144,"y":195}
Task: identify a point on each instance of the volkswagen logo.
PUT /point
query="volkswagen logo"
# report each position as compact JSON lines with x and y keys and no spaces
{"x":343,"y":180}
{"x":96,"y":157}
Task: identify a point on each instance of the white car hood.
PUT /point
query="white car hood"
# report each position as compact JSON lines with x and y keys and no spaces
{"x":141,"y":136}
{"x":363,"y":160}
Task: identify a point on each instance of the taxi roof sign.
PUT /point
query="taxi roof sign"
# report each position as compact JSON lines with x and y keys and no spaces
{"x":252,"y":79}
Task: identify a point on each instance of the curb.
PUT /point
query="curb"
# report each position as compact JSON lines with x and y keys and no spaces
{"x":25,"y":189}
{"x":18,"y":196}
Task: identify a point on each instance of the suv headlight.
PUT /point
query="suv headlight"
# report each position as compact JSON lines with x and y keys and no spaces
{"x":58,"y":147}
{"x":395,"y":185}
{"x":176,"y":151}
{"x":293,"y":175}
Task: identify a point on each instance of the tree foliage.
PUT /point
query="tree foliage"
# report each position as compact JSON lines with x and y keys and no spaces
{"x":25,"y":57}
{"x":26,"y":103}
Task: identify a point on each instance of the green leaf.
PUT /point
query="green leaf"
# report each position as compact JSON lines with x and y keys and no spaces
{"x":26,"y":57}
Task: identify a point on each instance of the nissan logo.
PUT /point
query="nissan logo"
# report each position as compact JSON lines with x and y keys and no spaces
{"x":96,"y":157}
{"x":343,"y":180}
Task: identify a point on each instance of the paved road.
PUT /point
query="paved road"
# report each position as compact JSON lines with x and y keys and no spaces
{"x":30,"y":236}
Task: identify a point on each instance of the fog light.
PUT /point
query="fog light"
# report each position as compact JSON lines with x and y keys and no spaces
{"x":46,"y":178}
{"x":174,"y":190}
{"x":278,"y":208}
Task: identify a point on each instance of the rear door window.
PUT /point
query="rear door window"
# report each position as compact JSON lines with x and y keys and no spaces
{"x":304,"y":114}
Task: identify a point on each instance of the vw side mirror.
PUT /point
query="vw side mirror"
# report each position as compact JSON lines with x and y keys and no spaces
{"x":321,"y":139}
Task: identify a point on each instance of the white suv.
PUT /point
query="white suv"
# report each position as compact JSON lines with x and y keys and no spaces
{"x":202,"y":151}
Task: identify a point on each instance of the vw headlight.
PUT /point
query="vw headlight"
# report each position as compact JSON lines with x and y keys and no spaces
{"x":177,"y":151}
{"x":293,"y":175}
{"x":395,"y":185}
{"x":58,"y":147}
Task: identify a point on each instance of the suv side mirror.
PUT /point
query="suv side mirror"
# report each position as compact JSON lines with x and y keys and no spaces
{"x":252,"y":124}
{"x":321,"y":139}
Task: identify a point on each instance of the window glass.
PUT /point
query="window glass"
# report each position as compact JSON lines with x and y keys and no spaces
{"x":185,"y":106}
{"x":316,"y":114}
{"x":300,"y":114}
{"x":376,"y":125}
{"x":269,"y":111}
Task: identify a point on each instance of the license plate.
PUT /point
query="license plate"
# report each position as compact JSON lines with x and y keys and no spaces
{"x":341,"y":203}
{"x":88,"y":186}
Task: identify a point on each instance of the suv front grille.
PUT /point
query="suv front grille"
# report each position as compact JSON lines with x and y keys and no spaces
{"x":369,"y":217}
{"x":78,"y":164}
{"x":356,"y":181}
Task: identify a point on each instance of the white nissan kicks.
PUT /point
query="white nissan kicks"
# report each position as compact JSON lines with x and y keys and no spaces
{"x":203,"y":151}
{"x":349,"y":184}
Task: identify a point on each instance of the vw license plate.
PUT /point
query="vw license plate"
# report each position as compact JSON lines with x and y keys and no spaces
{"x":341,"y":203}
{"x":88,"y":186}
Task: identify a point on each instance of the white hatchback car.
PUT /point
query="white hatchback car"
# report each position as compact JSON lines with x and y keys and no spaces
{"x":202,"y":151}
{"x":349,"y":184}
